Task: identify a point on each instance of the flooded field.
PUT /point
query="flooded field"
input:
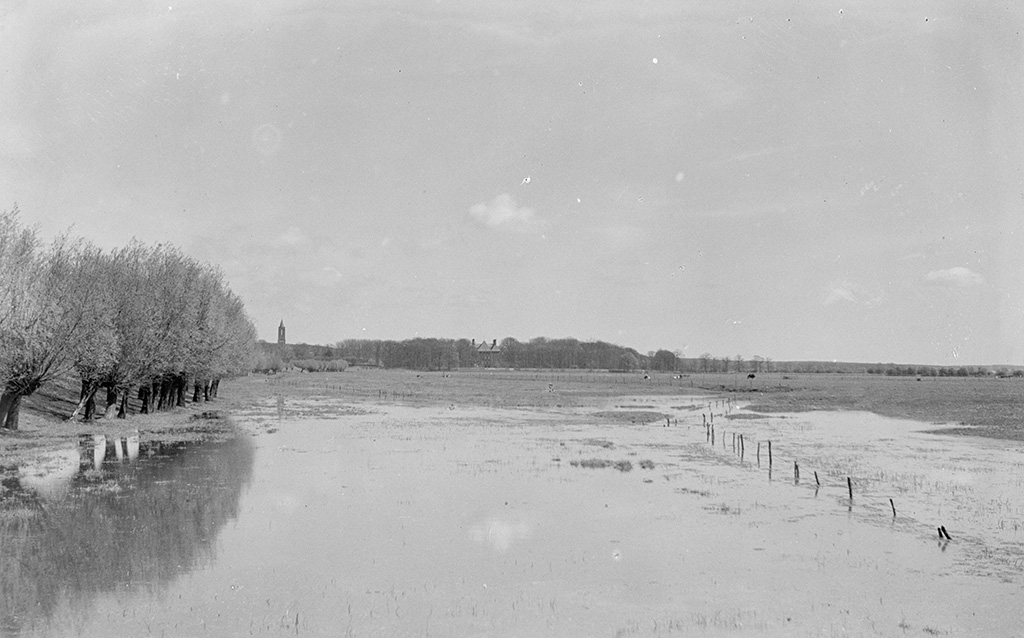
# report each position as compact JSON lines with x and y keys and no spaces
{"x":325,"y":518}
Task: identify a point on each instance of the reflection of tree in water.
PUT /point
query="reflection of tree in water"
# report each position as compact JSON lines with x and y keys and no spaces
{"x":157,"y":519}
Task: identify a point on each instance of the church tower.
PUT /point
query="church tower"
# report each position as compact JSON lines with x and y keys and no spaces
{"x":280,"y":333}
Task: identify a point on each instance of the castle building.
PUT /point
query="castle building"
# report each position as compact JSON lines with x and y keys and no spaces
{"x":488,"y":354}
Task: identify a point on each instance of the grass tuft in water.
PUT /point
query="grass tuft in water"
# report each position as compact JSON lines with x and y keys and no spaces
{"x":596,"y":464}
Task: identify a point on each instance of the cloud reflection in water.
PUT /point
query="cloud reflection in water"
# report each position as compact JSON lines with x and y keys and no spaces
{"x":499,"y":534}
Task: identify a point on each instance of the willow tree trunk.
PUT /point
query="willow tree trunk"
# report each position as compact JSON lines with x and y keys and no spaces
{"x":144,"y":390}
{"x":85,"y":399}
{"x":90,"y":406}
{"x":10,"y":401}
{"x":10,"y":406}
{"x":180,"y":382}
{"x":122,"y":412}
{"x":112,"y":401}
{"x":214,"y":386}
{"x":165,"y":393}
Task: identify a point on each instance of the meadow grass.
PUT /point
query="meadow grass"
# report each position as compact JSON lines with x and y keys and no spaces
{"x":993,"y":406}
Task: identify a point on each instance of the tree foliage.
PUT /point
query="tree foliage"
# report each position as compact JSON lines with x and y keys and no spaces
{"x":540,"y":352}
{"x":137,"y":316}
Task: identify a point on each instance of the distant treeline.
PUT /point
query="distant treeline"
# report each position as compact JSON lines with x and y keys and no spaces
{"x":566,"y":353}
{"x":146,"y":317}
{"x":450,"y":354}
{"x":273,"y":357}
{"x":893,"y":370}
{"x":539,"y":352}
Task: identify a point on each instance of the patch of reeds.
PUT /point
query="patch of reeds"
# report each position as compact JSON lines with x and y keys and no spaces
{"x":594,"y":464}
{"x":686,"y":490}
{"x":598,"y":442}
{"x":722,"y":508}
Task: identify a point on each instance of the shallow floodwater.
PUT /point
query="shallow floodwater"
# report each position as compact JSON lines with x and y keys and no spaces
{"x":473,"y":522}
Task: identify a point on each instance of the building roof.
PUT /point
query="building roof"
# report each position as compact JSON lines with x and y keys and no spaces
{"x":487,"y":348}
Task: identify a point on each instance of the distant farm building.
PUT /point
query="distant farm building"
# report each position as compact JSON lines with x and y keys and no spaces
{"x":487,"y":353}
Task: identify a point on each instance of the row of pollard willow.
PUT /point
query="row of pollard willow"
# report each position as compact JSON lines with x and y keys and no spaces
{"x":739,"y":445}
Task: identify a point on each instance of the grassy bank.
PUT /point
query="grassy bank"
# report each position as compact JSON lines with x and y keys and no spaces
{"x":44,"y":423}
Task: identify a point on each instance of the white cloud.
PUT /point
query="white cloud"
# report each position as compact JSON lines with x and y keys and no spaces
{"x":956,"y":276}
{"x":326,"y":277}
{"x":502,"y":212}
{"x":870,"y":186}
{"x":837,"y":294}
{"x":855,"y":292}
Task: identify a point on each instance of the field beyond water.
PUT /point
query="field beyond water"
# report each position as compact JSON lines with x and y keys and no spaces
{"x":511,"y":503}
{"x":985,"y":406}
{"x":978,"y":406}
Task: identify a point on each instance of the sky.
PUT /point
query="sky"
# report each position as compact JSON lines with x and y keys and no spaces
{"x":794,"y":180}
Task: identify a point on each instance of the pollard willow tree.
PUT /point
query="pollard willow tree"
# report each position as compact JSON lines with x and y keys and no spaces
{"x":18,"y":246}
{"x":46,"y":310}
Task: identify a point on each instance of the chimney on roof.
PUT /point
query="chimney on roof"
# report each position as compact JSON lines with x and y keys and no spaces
{"x":474,"y":343}
{"x":494,"y":344}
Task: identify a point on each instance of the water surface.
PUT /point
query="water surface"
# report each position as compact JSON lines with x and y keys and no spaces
{"x":467,"y":522}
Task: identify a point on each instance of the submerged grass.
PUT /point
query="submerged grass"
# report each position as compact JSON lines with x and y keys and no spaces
{"x":633,"y":416}
{"x":596,"y":464}
{"x":622,"y":466}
